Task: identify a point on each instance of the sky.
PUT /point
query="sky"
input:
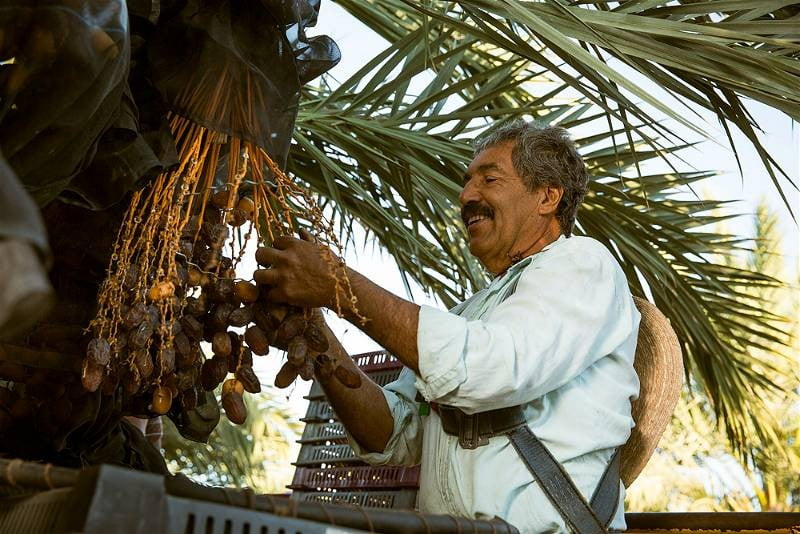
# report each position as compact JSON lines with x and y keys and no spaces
{"x":358,"y":44}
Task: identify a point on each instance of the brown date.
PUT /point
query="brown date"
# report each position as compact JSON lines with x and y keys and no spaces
{"x":263,"y":319}
{"x":306,"y":370}
{"x":291,"y":327}
{"x":139,"y":336}
{"x":297,"y":351}
{"x":192,"y":327}
{"x":166,"y":359}
{"x":286,"y":375}
{"x":232,"y":385}
{"x":182,"y":345}
{"x":257,"y":340}
{"x":223,"y":199}
{"x":221,"y":344}
{"x":222,"y":290}
{"x":213,"y":372}
{"x":195,"y":306}
{"x":143,"y":363}
{"x":91,"y":375}
{"x":233,"y":403}
{"x":99,"y":351}
{"x":245,"y":291}
{"x":219,"y":316}
{"x":241,"y":316}
{"x":248,"y":378}
{"x":131,"y":382}
{"x":315,"y":336}
{"x":134,"y":315}
{"x":161,"y":400}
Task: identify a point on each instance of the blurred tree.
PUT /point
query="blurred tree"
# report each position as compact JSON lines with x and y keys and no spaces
{"x":694,"y":468}
{"x":386,"y":148}
{"x":257,"y":454}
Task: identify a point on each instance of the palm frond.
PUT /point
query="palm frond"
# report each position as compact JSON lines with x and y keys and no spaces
{"x":392,"y":156}
{"x":711,"y":54}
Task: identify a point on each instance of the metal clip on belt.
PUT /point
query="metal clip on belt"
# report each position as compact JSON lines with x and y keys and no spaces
{"x":474,"y":430}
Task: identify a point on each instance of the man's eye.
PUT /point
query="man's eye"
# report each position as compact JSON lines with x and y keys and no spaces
{"x":489,"y":179}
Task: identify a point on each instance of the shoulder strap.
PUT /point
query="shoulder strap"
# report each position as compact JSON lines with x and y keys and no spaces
{"x":579,"y":515}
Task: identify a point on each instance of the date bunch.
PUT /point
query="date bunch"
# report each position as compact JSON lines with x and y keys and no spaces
{"x":153,"y":350}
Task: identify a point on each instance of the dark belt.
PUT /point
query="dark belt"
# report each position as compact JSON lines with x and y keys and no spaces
{"x":474,"y":431}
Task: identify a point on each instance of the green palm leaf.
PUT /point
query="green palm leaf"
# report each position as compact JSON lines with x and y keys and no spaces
{"x":712,"y":54}
{"x":388,"y":147}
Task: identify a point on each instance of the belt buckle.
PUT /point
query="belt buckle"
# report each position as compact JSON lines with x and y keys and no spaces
{"x":469,"y":436}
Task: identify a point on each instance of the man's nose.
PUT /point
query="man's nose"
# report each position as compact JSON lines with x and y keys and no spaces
{"x":468,"y":193}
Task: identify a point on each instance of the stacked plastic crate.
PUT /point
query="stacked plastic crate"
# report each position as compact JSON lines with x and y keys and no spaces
{"x":328,"y":469}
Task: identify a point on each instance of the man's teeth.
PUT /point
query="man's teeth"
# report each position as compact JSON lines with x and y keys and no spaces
{"x":475,"y":218}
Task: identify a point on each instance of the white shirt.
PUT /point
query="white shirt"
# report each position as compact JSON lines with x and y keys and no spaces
{"x":556,"y":334}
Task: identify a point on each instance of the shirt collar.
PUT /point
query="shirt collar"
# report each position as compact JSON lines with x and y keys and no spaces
{"x":521,"y":264}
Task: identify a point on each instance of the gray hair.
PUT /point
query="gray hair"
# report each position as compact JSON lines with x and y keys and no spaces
{"x":544,"y":157}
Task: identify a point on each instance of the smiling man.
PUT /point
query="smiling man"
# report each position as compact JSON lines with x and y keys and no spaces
{"x":545,"y":350}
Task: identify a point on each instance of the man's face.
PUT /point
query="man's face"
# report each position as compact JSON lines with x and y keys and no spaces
{"x":501,"y":214}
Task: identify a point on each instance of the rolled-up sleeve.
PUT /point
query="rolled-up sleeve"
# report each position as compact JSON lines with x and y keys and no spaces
{"x":566,"y":313}
{"x":405,"y":444}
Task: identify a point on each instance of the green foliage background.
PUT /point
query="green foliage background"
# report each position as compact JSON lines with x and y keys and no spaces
{"x":385,"y":150}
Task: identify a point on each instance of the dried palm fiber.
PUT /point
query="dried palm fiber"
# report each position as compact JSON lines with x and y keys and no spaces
{"x":174,"y":235}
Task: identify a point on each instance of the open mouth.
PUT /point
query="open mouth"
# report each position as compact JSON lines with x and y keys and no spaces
{"x":473,"y":213}
{"x":475,"y":219}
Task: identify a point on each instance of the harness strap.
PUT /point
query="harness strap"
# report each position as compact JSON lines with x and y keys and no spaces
{"x":583,"y":518}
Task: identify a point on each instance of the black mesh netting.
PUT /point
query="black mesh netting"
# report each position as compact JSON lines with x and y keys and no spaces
{"x":86,"y":87}
{"x":237,"y":67}
{"x":84,"y":105}
{"x":63,"y":90}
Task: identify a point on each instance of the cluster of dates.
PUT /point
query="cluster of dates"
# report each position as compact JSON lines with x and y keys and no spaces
{"x":162,"y":360}
{"x":156,"y":348}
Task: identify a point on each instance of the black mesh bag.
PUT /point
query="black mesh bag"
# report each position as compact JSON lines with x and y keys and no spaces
{"x":231,"y":67}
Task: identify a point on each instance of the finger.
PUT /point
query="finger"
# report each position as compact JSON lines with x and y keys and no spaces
{"x":266,"y":277}
{"x":305,"y":235}
{"x":283,"y":242}
{"x":275,"y":295}
{"x":267,"y":255}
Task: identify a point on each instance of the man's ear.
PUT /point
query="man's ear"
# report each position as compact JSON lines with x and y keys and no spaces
{"x":550,"y":196}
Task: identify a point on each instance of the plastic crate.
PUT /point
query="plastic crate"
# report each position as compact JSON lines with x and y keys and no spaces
{"x":356,"y":477}
{"x":377,"y":361}
{"x":37,"y":512}
{"x":315,"y":455}
{"x":188,"y":516}
{"x":319,"y":411}
{"x":107,"y":499}
{"x":397,"y":499}
{"x":322,"y":432}
{"x":113,"y":499}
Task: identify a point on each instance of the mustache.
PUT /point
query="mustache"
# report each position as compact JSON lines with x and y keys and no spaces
{"x":472,"y":208}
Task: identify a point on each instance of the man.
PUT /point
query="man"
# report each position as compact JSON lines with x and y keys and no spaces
{"x":554,"y":332}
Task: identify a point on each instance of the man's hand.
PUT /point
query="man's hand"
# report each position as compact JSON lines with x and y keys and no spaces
{"x":300,"y":272}
{"x":303,"y":273}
